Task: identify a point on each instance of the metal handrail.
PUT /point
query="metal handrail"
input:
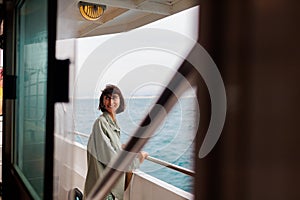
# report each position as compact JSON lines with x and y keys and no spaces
{"x":157,"y":161}
{"x":171,"y":166}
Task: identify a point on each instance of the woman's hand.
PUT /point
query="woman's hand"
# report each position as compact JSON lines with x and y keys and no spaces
{"x":142,"y":156}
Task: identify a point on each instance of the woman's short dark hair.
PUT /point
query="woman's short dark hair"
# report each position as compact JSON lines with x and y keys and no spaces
{"x":110,"y":90}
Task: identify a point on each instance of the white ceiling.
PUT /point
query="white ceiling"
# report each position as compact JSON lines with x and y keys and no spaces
{"x":120,"y":16}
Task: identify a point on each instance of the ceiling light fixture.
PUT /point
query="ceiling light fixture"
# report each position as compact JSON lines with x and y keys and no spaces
{"x":91,"y":11}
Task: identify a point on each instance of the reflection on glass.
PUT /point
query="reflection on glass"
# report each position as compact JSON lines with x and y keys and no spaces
{"x":29,"y":152}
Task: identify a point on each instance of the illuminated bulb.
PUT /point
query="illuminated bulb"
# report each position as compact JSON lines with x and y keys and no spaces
{"x":91,"y":11}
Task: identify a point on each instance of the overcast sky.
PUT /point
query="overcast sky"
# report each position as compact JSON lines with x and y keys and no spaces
{"x":138,"y":72}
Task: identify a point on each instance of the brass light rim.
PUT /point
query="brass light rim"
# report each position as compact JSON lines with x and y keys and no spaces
{"x":91,"y":11}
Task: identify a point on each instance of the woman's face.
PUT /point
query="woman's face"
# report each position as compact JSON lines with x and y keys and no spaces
{"x":111,"y":103}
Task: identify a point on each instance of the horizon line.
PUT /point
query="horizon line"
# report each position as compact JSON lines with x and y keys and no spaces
{"x":139,"y":97}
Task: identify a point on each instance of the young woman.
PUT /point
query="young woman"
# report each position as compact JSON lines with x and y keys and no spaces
{"x":104,"y":142}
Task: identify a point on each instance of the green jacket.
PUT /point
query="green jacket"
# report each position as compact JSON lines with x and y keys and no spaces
{"x":104,"y":145}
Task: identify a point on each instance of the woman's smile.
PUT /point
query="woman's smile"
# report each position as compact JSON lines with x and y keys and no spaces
{"x":111,"y":103}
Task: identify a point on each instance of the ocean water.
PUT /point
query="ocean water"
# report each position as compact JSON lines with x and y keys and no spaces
{"x":172,"y":141}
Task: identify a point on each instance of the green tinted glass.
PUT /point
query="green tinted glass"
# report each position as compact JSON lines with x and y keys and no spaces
{"x":29,"y":148}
